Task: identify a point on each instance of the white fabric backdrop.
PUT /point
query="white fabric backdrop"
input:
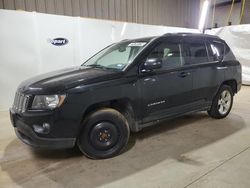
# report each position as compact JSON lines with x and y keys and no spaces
{"x":25,"y":50}
{"x":238,"y":38}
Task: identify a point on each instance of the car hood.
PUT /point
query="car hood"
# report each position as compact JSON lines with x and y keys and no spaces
{"x":61,"y":80}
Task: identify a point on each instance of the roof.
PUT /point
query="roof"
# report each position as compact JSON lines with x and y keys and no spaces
{"x":147,"y":39}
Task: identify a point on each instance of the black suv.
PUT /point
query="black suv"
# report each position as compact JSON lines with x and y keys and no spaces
{"x":125,"y":87}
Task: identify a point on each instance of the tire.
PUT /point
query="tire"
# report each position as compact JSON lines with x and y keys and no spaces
{"x":105,"y":134}
{"x":222,"y":103}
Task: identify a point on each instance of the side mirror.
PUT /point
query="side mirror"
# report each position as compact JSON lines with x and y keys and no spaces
{"x":152,"y":64}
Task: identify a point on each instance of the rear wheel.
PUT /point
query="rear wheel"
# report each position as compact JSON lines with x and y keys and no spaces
{"x":105,"y":134}
{"x":222,"y":103}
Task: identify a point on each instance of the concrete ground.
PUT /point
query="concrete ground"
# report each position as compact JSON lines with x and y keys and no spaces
{"x":192,"y":151}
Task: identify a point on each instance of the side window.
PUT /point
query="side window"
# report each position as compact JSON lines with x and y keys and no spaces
{"x":216,"y":50}
{"x":196,"y":52}
{"x":228,"y":55}
{"x":169,"y":53}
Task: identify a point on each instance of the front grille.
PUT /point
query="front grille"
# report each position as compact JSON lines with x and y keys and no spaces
{"x":21,"y":102}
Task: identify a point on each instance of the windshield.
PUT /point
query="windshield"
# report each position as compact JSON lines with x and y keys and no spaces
{"x":116,"y":56}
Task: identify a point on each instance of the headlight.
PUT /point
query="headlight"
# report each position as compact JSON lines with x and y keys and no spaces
{"x":47,"y":101}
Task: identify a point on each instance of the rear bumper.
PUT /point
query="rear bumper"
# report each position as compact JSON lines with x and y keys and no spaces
{"x":27,"y":135}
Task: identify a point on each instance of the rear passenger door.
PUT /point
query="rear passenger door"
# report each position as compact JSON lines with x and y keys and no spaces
{"x":201,"y":55}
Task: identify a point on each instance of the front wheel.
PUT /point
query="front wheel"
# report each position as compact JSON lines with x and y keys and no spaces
{"x":222,"y":103}
{"x":105,"y":134}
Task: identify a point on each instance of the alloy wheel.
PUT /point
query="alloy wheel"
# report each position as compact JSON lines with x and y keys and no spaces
{"x":224,"y":102}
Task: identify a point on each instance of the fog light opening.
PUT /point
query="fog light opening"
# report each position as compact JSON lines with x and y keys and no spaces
{"x":42,"y":129}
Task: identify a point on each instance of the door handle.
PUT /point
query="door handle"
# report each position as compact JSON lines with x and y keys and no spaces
{"x":184,"y":74}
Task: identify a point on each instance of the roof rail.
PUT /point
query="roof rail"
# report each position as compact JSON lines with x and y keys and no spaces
{"x":190,"y":33}
{"x":194,"y":34}
{"x":182,"y":33}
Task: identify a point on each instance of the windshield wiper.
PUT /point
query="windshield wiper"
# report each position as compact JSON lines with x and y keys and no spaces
{"x":96,"y":66}
{"x":100,"y":66}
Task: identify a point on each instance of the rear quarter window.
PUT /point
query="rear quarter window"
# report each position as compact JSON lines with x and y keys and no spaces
{"x":216,"y":50}
{"x":228,"y":54}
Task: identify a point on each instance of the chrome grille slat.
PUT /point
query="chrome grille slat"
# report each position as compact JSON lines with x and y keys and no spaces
{"x":24,"y":106}
{"x":20,"y":102}
{"x":15,"y":101}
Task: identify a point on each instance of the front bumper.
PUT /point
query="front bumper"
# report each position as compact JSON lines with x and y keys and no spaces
{"x":26,"y":134}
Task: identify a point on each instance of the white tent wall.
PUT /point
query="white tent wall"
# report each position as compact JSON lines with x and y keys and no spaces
{"x":237,"y":37}
{"x":19,"y":56}
{"x":25,"y":50}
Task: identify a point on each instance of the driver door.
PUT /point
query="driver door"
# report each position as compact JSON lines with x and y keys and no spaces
{"x":166,"y":90}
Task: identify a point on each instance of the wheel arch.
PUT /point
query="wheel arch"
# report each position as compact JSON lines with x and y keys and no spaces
{"x":232,"y":83}
{"x":123,"y":105}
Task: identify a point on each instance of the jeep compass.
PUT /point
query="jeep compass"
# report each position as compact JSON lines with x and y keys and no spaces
{"x":125,"y":87}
